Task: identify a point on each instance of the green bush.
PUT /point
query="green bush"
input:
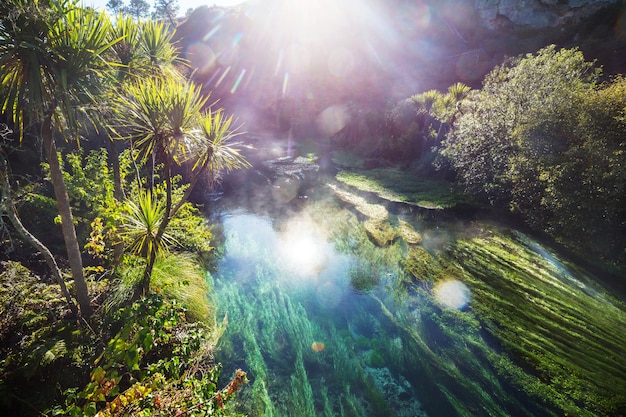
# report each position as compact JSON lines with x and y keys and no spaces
{"x":544,"y":139}
{"x":156,"y":364}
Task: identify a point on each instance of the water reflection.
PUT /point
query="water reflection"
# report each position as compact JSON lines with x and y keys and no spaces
{"x":302,"y":247}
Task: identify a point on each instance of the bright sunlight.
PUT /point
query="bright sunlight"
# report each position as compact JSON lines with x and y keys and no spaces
{"x":301,"y":247}
{"x":313,"y":21}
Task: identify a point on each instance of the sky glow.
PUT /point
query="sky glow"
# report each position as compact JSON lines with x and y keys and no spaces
{"x":183,"y":4}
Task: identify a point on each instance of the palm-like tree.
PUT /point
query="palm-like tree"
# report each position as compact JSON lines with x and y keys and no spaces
{"x":141,"y":223}
{"x":139,"y":50}
{"x":163,"y":118}
{"x":51,"y":69}
{"x":213,"y":152}
{"x":158,"y":115}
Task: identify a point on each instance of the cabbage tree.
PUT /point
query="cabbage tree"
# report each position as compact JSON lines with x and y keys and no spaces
{"x":51,"y":70}
{"x":165,"y":120}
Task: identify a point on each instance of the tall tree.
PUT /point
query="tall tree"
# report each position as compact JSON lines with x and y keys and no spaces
{"x":116,"y":6}
{"x":166,"y":9}
{"x":545,"y":140}
{"x":51,"y":69}
{"x":163,"y":118}
{"x":138,"y":9}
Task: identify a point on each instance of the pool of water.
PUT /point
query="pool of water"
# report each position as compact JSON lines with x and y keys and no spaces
{"x":326,"y":323}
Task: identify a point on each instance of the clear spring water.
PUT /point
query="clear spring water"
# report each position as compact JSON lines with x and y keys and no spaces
{"x":326,"y":324}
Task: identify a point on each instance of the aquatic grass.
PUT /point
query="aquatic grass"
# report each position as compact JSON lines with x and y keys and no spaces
{"x":270,"y":328}
{"x":447,"y":370}
{"x":570,"y":333}
{"x":453,"y":368}
{"x":465,"y":358}
{"x":395,"y":185}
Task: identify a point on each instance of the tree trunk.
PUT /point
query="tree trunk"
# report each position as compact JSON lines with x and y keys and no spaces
{"x":145,"y":285}
{"x":9,"y":209}
{"x":67,"y":222}
{"x":118,"y":192}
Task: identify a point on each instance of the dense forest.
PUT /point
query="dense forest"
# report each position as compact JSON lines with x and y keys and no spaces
{"x":110,"y":127}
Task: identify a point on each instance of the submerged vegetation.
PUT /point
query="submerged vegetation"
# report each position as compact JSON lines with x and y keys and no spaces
{"x":526,"y":341}
{"x":550,"y":315}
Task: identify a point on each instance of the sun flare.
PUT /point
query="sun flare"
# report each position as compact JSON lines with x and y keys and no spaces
{"x":301,"y":248}
{"x":312,"y":21}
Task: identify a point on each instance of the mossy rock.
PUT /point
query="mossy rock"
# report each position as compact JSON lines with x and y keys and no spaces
{"x":372,"y":211}
{"x":408,"y":233}
{"x":380,"y":233}
{"x":396,"y":185}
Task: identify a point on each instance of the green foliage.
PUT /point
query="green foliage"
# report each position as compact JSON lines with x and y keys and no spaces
{"x":543,"y":138}
{"x":177,"y":276}
{"x":583,"y":189}
{"x":191,"y":231}
{"x":27,"y":305}
{"x":157,"y":113}
{"x":141,"y":223}
{"x":60,"y":66}
{"x":214,"y":149}
{"x":96,"y":212}
{"x":188,"y":230}
{"x":156,"y":364}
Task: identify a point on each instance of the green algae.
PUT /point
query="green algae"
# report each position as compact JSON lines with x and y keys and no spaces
{"x":405,"y":187}
{"x":568,"y":331}
{"x":554,"y":340}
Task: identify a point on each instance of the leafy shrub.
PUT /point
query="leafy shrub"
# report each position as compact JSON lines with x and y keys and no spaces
{"x":157,"y":364}
{"x":545,"y":140}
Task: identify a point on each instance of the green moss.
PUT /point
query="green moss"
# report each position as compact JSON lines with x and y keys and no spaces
{"x":363,"y":279}
{"x":408,"y":233}
{"x":347,"y":160}
{"x":573,"y":338}
{"x":381,"y":233}
{"x":400,"y":186}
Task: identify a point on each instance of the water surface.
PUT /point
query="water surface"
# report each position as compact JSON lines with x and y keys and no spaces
{"x":328,"y":324}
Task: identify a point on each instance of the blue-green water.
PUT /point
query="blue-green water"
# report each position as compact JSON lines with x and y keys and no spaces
{"x":327,"y":324}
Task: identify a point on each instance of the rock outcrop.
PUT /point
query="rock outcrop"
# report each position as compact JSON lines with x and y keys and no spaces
{"x":537,"y":14}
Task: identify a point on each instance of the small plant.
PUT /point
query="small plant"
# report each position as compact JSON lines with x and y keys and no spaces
{"x":156,"y":364}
